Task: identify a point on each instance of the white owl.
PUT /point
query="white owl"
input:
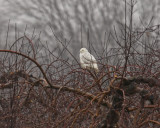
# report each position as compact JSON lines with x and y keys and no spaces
{"x":87,"y":60}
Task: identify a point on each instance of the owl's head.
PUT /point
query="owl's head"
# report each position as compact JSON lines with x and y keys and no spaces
{"x":82,"y":50}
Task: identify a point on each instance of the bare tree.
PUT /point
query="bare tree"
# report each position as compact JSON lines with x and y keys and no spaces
{"x":39,"y":87}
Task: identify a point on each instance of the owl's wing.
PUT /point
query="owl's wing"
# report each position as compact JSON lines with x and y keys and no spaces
{"x":88,"y":58}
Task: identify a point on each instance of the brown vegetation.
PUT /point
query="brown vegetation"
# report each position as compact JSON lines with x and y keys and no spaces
{"x":41,"y":89}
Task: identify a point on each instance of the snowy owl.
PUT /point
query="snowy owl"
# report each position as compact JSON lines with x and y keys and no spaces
{"x":87,"y":60}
